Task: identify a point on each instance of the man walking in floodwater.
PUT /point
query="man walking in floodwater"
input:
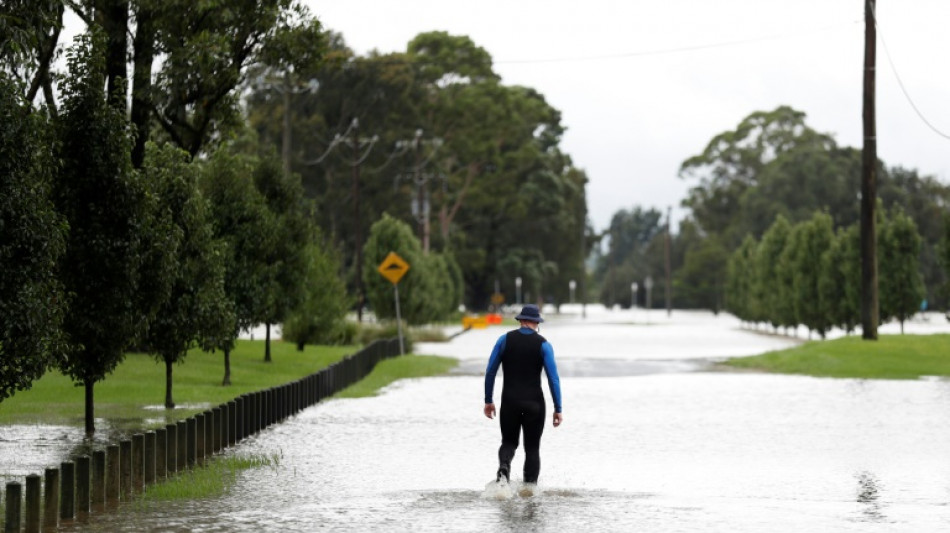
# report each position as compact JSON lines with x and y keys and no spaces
{"x":522,"y":353}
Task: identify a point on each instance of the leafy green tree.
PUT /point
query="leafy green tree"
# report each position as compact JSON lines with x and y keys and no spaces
{"x":773,"y":280}
{"x":901,"y":286}
{"x":422,"y":291}
{"x":32,"y":240}
{"x":702,"y":279}
{"x":197,"y":312}
{"x":741,"y":276}
{"x":286,"y":259}
{"x":186,"y":63}
{"x":810,"y":240}
{"x":944,"y":250}
{"x":800,"y":181}
{"x":30,"y":30}
{"x":626,"y":260}
{"x":119,"y":251}
{"x":733,"y":162}
{"x":840,"y":282}
{"x":242,"y":221}
{"x":497,"y":165}
{"x":318,"y":317}
{"x":924,"y":199}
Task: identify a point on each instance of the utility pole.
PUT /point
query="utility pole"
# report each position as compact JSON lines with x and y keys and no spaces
{"x":666,"y":246}
{"x":869,"y":298}
{"x":361,"y":148}
{"x":356,"y":220}
{"x":421,"y":194}
{"x":420,"y":206}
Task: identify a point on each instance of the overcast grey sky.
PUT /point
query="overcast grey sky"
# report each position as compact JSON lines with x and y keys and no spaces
{"x":643,"y":85}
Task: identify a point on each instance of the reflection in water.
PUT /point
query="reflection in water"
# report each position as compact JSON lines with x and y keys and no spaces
{"x":869,"y":496}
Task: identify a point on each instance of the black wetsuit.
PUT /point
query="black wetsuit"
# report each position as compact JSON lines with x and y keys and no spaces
{"x":522,"y":353}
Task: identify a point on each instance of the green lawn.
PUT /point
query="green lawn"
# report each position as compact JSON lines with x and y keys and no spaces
{"x":390,"y":370}
{"x":890,"y":357}
{"x":133,"y":396}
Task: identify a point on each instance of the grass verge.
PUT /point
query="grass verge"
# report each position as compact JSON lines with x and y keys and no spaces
{"x":134,"y":394}
{"x":890,"y":357}
{"x":390,"y":370}
{"x":215,"y":478}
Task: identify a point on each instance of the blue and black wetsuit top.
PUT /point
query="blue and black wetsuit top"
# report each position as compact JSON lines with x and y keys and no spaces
{"x":522,"y":353}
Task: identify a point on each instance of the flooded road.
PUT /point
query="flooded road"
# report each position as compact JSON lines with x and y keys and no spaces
{"x":660,"y":444}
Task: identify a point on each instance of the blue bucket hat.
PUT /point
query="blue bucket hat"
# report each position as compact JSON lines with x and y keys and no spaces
{"x":531,"y":313}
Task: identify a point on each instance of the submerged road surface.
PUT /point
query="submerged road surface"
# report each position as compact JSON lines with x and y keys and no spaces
{"x":654,"y":443}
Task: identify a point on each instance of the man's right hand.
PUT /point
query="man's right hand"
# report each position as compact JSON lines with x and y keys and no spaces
{"x":490,"y":410}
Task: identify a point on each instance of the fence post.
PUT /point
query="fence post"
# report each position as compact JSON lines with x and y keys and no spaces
{"x":256,"y":412}
{"x":113,"y":472}
{"x":149,"y":471}
{"x":209,"y":433}
{"x":82,"y":484}
{"x":265,"y":408}
{"x":224,"y":417}
{"x":191,"y":443}
{"x":232,"y":422}
{"x":161,"y":454}
{"x":67,"y":489}
{"x":138,"y":462}
{"x":14,"y":501}
{"x":199,"y":423}
{"x":237,"y":421}
{"x":98,"y":477}
{"x":32,"y":524}
{"x":51,"y":498}
{"x":171,"y":448}
{"x":125,"y":470}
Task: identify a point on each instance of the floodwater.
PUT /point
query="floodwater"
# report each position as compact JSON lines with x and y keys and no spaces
{"x":653,"y":439}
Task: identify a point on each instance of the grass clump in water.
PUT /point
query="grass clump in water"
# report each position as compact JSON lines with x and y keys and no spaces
{"x":215,"y":478}
{"x":390,"y":370}
{"x":889,"y":357}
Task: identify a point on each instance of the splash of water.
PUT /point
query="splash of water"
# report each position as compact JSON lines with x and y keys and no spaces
{"x":502,"y":490}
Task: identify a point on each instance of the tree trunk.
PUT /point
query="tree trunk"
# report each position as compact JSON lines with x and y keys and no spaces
{"x":300,"y":346}
{"x":144,"y":49}
{"x":90,"y":408}
{"x":169,"y":402}
{"x":114,"y":17}
{"x":267,"y":346}
{"x":227,"y":368}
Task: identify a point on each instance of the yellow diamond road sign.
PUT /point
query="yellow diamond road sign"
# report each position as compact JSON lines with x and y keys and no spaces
{"x":393,"y":267}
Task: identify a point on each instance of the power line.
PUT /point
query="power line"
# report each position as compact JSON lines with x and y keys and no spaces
{"x":900,"y":82}
{"x":631,"y":54}
{"x":676,"y":50}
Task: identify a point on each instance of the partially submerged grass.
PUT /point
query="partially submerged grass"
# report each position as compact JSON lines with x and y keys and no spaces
{"x":390,"y":370}
{"x":215,"y":478}
{"x":890,"y":357}
{"x":134,"y":394}
{"x":428,"y":334}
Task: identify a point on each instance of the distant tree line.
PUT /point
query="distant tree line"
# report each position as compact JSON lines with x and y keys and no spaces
{"x":772,"y":164}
